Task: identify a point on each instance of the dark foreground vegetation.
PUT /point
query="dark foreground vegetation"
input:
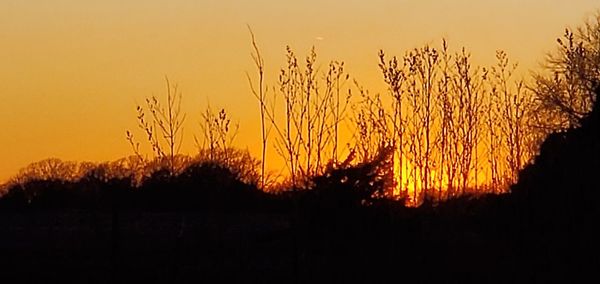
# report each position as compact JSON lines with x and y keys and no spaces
{"x":209,"y":218}
{"x":206,"y":223}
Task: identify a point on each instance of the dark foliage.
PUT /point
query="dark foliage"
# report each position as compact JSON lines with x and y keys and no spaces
{"x":558,"y":200}
{"x":206,"y":223}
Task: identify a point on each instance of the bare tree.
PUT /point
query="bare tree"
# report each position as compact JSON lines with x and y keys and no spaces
{"x":259,"y":91}
{"x":468,"y":90}
{"x":445,"y":104}
{"x":218,"y":135}
{"x":512,"y":103}
{"x":422,"y":74}
{"x":372,"y":124}
{"x":373,"y":138}
{"x":48,"y":169}
{"x":336,"y":79}
{"x":394,"y":77}
{"x":308,"y":137}
{"x":565,"y":88}
{"x":164,"y":129}
{"x":494,"y":143}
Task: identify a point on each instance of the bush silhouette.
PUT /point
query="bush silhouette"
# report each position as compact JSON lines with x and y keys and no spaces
{"x":563,"y":174}
{"x":558,"y":199}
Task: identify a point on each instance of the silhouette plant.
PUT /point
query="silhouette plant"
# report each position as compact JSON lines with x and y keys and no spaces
{"x":394,"y":77}
{"x":511,"y":111}
{"x":308,"y":137}
{"x":218,"y":135}
{"x":260,"y":93}
{"x":564,"y":89}
{"x":163,"y":128}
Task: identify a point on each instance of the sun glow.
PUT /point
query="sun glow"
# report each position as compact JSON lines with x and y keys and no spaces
{"x":409,"y":182}
{"x":73,"y":71}
{"x":405,"y":186}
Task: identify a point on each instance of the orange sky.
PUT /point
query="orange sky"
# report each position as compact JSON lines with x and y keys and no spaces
{"x":71,"y":71}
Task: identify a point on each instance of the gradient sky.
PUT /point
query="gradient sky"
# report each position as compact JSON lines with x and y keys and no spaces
{"x":72,"y":71}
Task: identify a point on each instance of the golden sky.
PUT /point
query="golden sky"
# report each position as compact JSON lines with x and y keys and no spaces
{"x":72,"y":71}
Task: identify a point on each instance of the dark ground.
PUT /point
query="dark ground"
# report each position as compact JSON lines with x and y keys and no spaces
{"x":477,"y":244}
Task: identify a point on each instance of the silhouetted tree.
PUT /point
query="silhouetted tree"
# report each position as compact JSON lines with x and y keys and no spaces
{"x":260,"y":93}
{"x":564,"y":89}
{"x":421,"y":77}
{"x":394,"y":77}
{"x":164,"y":128}
{"x":218,"y":134}
{"x":510,"y":108}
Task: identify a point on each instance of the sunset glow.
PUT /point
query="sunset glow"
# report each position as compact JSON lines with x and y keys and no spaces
{"x":73,"y":71}
{"x":270,"y":141}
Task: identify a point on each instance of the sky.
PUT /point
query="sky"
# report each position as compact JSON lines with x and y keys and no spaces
{"x":72,"y":72}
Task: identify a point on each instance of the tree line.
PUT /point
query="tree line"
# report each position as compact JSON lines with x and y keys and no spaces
{"x":456,"y":127}
{"x":448,"y":126}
